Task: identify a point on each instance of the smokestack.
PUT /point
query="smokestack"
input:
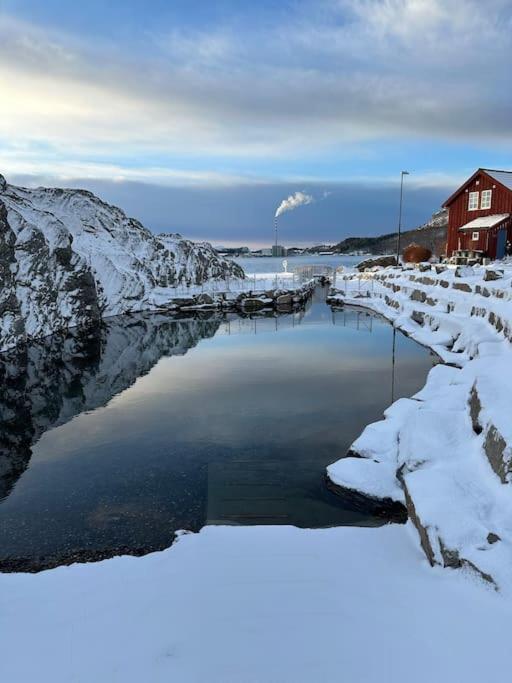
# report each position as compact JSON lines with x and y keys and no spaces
{"x":293,"y":201}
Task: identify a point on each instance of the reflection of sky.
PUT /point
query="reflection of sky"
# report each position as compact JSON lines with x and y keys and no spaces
{"x":298,"y":395}
{"x":273,"y":375}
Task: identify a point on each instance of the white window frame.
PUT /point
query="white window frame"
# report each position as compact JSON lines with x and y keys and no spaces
{"x":473,"y":201}
{"x":486,"y":203}
{"x":475,"y":236}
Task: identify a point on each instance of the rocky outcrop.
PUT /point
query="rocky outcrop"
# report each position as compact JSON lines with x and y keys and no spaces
{"x":68,"y":259}
{"x":378,"y":261}
{"x":492,"y":274}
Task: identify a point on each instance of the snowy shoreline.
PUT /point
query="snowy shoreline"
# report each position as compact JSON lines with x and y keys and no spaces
{"x":445,"y":453}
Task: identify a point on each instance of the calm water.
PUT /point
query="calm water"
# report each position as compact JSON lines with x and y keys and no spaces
{"x":268,"y":264}
{"x":111,"y":444}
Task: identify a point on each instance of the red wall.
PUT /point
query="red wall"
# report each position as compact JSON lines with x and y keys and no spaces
{"x":459,"y":215}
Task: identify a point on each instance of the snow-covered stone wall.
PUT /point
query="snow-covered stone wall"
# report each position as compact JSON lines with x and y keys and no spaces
{"x":69,"y":259}
{"x":446,"y":453}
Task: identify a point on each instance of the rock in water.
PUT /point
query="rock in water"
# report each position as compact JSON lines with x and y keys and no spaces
{"x":68,"y":259}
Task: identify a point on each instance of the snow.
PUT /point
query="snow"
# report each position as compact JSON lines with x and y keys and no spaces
{"x":257,"y":605}
{"x":457,"y":477}
{"x":486,"y":221}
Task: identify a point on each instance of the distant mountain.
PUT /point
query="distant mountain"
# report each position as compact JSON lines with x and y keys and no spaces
{"x":69,"y":259}
{"x":431,"y":235}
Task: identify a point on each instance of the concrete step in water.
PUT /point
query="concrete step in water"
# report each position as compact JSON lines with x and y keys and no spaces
{"x":256,"y":492}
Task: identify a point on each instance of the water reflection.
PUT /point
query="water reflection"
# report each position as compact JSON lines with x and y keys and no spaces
{"x":110,"y":443}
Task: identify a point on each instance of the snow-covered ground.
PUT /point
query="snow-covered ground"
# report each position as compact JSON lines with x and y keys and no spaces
{"x":446,"y":453}
{"x":257,"y":605}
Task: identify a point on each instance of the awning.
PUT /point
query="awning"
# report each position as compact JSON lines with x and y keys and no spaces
{"x":486,"y":222}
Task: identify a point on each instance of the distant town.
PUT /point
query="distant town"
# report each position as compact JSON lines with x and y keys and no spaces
{"x":279,"y":250}
{"x":432,"y":234}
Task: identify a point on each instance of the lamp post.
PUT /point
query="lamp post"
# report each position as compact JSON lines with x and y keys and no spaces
{"x":402,"y":173}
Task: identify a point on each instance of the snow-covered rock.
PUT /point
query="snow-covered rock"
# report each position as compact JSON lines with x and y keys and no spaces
{"x":377,"y":261}
{"x":69,"y":259}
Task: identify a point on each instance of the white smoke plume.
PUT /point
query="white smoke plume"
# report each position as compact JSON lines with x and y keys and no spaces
{"x":293,"y":201}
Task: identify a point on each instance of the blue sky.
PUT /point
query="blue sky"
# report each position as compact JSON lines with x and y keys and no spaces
{"x":201,"y":116}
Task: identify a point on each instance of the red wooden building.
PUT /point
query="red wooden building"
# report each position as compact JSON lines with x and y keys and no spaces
{"x":479,"y":215}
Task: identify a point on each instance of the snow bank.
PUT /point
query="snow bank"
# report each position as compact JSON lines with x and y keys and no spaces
{"x":257,"y":604}
{"x":447,"y":452}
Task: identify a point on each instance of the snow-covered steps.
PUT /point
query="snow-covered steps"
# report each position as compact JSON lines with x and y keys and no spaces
{"x":446,"y":454}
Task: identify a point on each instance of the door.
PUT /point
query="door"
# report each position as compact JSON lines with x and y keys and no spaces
{"x":501,"y":242}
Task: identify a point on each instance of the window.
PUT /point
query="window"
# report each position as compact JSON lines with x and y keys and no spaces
{"x":485,"y":202}
{"x":473,"y":201}
{"x":475,"y":236}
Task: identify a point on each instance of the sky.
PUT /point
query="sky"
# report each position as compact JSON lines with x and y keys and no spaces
{"x":200,"y":117}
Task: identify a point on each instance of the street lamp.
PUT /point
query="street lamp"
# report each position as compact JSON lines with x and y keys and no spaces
{"x":402,"y":173}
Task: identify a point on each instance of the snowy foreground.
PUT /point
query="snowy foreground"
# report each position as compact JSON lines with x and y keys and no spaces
{"x":257,"y":605}
{"x":446,"y":453}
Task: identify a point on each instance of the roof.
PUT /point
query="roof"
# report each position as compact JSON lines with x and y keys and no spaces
{"x":502,"y":177}
{"x":486,"y":222}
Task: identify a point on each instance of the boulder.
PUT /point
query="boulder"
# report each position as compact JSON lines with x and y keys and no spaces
{"x":284,"y":300}
{"x":464,"y":271}
{"x":492,"y":274}
{"x":379,"y":261}
{"x":415,"y":253}
{"x":204,"y":300}
{"x":253,"y":304}
{"x":462,"y":286}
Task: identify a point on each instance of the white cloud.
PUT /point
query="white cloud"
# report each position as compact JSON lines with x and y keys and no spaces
{"x":354,"y":70}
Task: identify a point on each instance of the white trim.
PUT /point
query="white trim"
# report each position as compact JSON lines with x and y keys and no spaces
{"x":473,"y":201}
{"x":486,"y":203}
{"x":475,"y":236}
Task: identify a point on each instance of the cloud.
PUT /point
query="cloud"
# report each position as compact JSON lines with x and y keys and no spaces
{"x":353,"y":71}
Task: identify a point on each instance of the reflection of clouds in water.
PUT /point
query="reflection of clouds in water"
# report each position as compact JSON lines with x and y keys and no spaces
{"x":131,"y":469}
{"x":240,"y":387}
{"x":250,"y":376}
